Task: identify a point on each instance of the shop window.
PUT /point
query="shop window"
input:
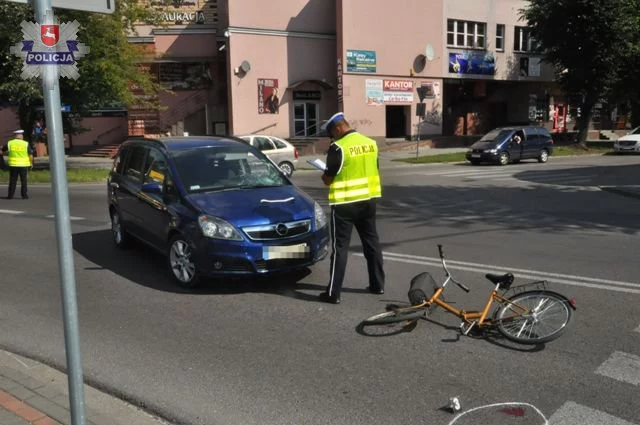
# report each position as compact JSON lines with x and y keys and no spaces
{"x":500,"y":37}
{"x":305,"y":119}
{"x":466,"y":34}
{"x":184,"y":75}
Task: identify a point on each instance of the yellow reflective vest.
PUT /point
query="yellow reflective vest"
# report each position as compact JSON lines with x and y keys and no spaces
{"x":358,"y":179}
{"x":18,"y":153}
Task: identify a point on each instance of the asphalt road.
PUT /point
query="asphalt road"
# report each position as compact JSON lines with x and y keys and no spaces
{"x":268,"y":353}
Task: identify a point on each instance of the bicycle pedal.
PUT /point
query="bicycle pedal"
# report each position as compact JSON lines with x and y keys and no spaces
{"x":466,"y":328}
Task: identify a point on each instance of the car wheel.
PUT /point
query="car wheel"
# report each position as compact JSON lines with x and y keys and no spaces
{"x":504,"y":158}
{"x":544,"y":156}
{"x":287,"y":168}
{"x":120,"y":236}
{"x":181,"y":263}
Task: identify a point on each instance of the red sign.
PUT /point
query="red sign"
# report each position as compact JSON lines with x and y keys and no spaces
{"x":268,"y":100}
{"x":397,"y":85}
{"x":49,"y":34}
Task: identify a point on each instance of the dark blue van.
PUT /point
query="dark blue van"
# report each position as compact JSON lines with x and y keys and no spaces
{"x":500,"y":145}
{"x":213,"y":206}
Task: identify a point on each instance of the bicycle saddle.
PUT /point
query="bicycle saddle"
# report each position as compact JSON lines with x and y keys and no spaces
{"x":505,"y":280}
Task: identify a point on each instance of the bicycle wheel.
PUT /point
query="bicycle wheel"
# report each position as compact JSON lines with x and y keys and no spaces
{"x":547,"y":315}
{"x":394,"y":316}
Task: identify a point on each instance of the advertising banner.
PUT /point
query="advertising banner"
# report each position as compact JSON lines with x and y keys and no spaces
{"x":268,"y":100}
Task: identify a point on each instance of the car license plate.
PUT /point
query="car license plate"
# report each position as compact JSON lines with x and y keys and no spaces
{"x":475,"y":155}
{"x":286,"y":252}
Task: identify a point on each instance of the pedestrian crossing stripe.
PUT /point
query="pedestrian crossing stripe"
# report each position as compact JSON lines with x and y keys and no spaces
{"x":572,"y":413}
{"x":622,"y":367}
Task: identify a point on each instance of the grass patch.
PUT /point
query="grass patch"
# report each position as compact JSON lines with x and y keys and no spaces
{"x":460,"y":156}
{"x":74,"y":175}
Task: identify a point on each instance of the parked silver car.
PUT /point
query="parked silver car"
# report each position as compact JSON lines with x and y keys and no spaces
{"x":629,"y":143}
{"x":281,"y":152}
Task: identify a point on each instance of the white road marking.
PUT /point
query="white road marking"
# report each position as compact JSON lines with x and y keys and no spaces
{"x":611,"y":285}
{"x":488,"y":406}
{"x":575,"y":414}
{"x":11,"y":212}
{"x":621,"y":366}
{"x":70,"y":217}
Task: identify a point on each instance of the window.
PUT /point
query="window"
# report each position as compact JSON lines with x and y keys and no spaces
{"x":305,"y":118}
{"x":155,"y":167}
{"x":118,"y":163}
{"x":522,"y":40}
{"x":279,"y":144}
{"x":466,"y":34}
{"x":136,"y":163}
{"x":500,"y":37}
{"x":262,"y":143}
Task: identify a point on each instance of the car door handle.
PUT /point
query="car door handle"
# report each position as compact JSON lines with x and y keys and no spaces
{"x":114,"y":185}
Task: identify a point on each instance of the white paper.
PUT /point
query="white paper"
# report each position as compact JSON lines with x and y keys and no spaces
{"x":318,"y":163}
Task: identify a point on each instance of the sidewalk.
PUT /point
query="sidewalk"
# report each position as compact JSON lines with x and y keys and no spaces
{"x":32,"y":393}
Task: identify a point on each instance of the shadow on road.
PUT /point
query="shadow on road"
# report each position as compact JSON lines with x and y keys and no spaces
{"x":144,"y":267}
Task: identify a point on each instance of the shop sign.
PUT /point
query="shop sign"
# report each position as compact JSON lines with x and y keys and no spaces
{"x":374,"y":92}
{"x":339,"y":74}
{"x":196,"y":17}
{"x":307,"y":95}
{"x":472,"y":63}
{"x":397,"y":91}
{"x":361,"y":61}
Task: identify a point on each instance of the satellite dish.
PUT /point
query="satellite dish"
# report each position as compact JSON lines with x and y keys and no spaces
{"x":429,"y":52}
{"x":245,"y":66}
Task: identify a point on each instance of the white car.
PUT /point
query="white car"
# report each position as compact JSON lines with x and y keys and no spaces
{"x":281,"y":152}
{"x":630,"y":142}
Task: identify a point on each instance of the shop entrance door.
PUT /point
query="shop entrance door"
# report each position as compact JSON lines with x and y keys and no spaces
{"x":396,"y":121}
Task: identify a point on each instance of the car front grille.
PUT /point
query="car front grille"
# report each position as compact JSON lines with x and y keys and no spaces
{"x":278,"y":231}
{"x":627,"y":142}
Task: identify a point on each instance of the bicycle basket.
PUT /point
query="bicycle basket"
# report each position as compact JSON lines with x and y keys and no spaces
{"x":421,"y":285}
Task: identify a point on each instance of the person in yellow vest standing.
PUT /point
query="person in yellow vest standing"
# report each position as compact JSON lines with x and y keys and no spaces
{"x":353,"y":177}
{"x":20,"y":160}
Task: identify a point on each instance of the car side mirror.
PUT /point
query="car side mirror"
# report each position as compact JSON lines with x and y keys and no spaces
{"x":153,"y":188}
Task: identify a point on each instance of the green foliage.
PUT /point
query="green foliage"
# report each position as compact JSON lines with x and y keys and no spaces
{"x":107,"y":73}
{"x":588,"y":42}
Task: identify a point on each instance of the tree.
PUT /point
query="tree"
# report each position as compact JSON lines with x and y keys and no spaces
{"x":106,"y":73}
{"x":586,"y":41}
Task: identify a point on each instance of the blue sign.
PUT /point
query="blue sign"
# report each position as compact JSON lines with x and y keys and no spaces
{"x":472,"y":63}
{"x":361,"y":61}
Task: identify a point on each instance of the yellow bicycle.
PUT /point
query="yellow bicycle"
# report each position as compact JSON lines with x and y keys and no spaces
{"x":530,"y":316}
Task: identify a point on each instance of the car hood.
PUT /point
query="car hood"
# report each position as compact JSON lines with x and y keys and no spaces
{"x":485,"y":145}
{"x":633,"y":137}
{"x":253,"y":207}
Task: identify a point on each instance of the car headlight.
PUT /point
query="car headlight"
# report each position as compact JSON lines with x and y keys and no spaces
{"x":217,"y":228}
{"x":491,"y":150}
{"x":320,"y":216}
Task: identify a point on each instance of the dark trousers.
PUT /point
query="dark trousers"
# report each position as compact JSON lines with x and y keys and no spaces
{"x":344,"y":217}
{"x":14,"y":172}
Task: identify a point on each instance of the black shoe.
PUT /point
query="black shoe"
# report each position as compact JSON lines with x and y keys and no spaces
{"x":9,"y":197}
{"x":333,"y":299}
{"x":378,"y":291}
{"x":25,"y":197}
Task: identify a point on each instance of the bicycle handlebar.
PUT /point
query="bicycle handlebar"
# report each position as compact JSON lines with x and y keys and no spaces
{"x":444,"y":265}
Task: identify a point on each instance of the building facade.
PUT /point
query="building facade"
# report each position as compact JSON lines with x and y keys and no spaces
{"x":283,"y":67}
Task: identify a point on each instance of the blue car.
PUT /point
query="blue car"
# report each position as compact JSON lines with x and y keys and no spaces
{"x":214,"y":206}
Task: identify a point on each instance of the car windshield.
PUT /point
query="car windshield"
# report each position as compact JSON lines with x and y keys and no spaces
{"x":236,"y":167}
{"x":635,"y":131}
{"x":496,"y":135}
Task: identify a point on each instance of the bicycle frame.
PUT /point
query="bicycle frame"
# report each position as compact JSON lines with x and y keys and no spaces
{"x":471,"y":318}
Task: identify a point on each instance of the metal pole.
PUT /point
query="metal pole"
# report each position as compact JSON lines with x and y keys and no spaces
{"x":418,"y":138}
{"x":53,"y":113}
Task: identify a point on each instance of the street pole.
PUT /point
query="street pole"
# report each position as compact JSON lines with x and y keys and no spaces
{"x":53,"y":113}
{"x":418,"y":138}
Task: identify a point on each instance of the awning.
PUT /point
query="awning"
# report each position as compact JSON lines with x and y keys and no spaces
{"x":321,"y":83}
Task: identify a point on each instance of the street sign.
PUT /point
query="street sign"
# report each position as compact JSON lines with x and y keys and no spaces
{"x":98,"y":6}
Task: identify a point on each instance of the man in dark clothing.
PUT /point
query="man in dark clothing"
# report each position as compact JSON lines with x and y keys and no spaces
{"x":352,"y":175}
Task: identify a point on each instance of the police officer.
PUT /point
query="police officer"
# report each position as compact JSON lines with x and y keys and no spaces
{"x":19,"y":160}
{"x":354,"y":184}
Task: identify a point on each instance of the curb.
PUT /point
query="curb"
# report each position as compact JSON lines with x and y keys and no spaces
{"x":34,"y":393}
